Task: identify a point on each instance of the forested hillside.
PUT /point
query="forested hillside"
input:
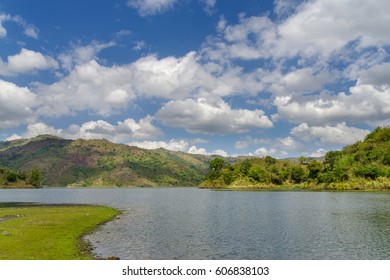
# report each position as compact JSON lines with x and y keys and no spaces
{"x":363,"y":165}
{"x":101,"y":163}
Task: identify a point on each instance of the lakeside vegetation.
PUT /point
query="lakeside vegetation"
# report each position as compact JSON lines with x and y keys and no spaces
{"x":13,"y":179}
{"x":364,"y":165}
{"x":48,"y":232}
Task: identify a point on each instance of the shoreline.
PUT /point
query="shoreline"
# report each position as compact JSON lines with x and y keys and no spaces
{"x":315,"y":188}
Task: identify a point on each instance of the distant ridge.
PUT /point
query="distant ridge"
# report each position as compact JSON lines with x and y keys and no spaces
{"x":100,"y":163}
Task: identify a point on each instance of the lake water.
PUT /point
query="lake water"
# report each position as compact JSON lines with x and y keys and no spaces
{"x":190,"y":223}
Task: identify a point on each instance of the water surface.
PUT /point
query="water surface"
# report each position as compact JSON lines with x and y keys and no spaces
{"x":189,"y":223}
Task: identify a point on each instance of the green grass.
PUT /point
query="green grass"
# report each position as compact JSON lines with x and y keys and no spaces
{"x":48,"y":232}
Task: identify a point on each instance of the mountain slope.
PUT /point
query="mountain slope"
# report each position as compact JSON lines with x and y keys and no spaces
{"x":102,"y":163}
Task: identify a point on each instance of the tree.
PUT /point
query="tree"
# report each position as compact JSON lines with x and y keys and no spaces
{"x":258,"y":174}
{"x":217,"y":164}
{"x":35,"y":177}
{"x":245,"y":166}
{"x":331,"y":158}
{"x":315,"y":167}
{"x":270,"y":160}
{"x":369,"y":171}
{"x":303,"y":160}
{"x":11,"y":176}
{"x":298,"y":174}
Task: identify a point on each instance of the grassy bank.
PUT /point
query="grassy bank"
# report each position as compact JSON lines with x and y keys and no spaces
{"x":48,"y":232}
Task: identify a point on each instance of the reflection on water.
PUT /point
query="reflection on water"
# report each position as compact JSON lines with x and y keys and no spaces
{"x":188,"y":223}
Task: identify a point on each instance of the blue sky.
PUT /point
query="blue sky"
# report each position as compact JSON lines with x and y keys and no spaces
{"x":281,"y":78}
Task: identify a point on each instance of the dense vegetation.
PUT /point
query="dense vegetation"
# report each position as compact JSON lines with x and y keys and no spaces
{"x":12,"y":179}
{"x":363,"y":165}
{"x":101,"y":163}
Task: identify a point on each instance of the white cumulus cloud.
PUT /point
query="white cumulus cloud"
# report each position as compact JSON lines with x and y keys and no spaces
{"x":81,"y":54}
{"x":364,"y":103}
{"x":26,"y":61}
{"x":211,"y":116}
{"x":340,"y":134}
{"x":178,"y":146}
{"x":314,"y":28}
{"x":173,"y":145}
{"x":17,"y":105}
{"x":90,"y":86}
{"x":121,"y":132}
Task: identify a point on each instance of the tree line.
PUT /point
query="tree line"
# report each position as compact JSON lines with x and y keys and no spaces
{"x":361,"y":163}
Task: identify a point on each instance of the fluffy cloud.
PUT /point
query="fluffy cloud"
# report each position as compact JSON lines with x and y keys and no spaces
{"x":79,"y":55}
{"x":251,"y":39}
{"x":183,"y":77}
{"x":279,"y":147}
{"x":90,"y":86}
{"x":364,"y":103}
{"x":26,"y":61}
{"x":314,"y":45}
{"x":170,"y":77}
{"x":35,"y":129}
{"x":177,"y":145}
{"x":319,"y":153}
{"x":17,"y":105}
{"x":121,"y":132}
{"x":211,"y":116}
{"x":301,"y":81}
{"x":263,"y":151}
{"x":105,"y":89}
{"x":314,"y":28}
{"x":151,"y":7}
{"x":249,"y":141}
{"x":340,"y":134}
{"x":323,"y":26}
{"x":173,"y":145}
{"x":377,"y":75}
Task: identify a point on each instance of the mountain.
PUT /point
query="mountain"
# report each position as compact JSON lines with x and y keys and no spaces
{"x":364,"y":165}
{"x":64,"y":162}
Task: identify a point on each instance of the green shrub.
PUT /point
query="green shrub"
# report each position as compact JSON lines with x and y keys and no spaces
{"x":11,"y":176}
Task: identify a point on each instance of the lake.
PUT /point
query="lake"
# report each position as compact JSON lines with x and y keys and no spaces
{"x":191,"y":223}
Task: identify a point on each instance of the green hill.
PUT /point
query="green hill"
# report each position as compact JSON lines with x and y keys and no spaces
{"x":362,"y":166}
{"x":101,"y":163}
